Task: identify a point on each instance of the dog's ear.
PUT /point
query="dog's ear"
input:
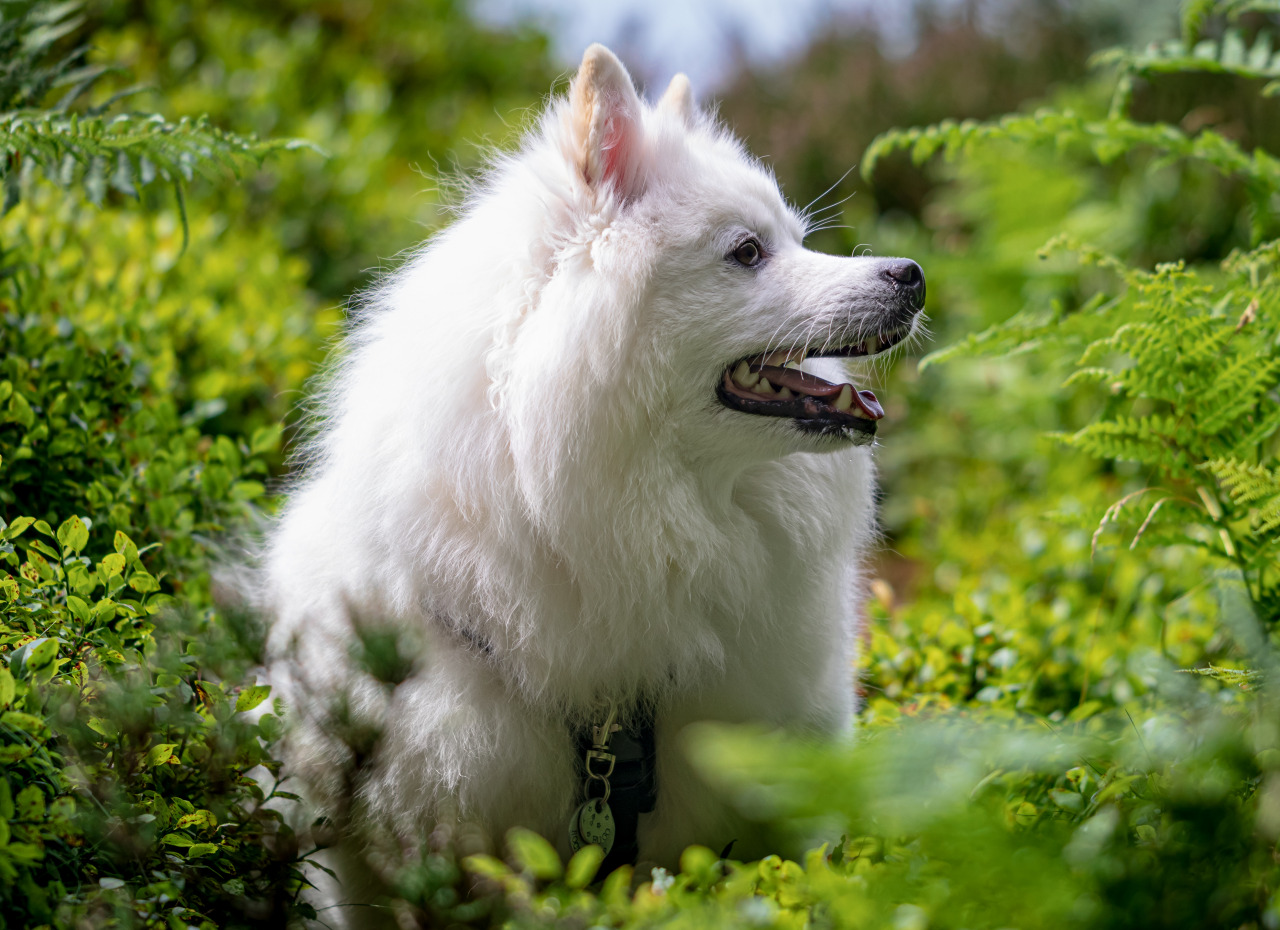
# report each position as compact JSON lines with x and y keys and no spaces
{"x":678,"y":100}
{"x":605,"y":131}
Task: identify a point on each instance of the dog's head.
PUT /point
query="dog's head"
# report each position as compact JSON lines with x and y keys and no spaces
{"x":678,"y":286}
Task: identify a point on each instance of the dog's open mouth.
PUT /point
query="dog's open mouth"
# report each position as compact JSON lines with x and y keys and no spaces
{"x":773,"y":385}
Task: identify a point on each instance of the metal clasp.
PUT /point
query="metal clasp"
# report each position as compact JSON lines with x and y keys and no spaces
{"x":599,"y":752}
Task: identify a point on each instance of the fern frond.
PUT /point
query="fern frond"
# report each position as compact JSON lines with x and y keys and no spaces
{"x":1268,"y":517}
{"x":1240,"y":677}
{"x":29,"y":65}
{"x":1261,"y":258}
{"x":1151,"y":440}
{"x":1244,"y":483}
{"x":1106,"y":139}
{"x":1229,"y":55}
{"x":1236,"y":389}
{"x":1020,"y":333}
{"x":1251,"y":487}
{"x":1258,"y":431}
{"x":123,"y":153}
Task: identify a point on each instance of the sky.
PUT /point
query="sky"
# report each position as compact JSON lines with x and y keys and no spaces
{"x":657,"y":38}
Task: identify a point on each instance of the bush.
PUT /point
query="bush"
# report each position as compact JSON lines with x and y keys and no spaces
{"x":124,"y":734}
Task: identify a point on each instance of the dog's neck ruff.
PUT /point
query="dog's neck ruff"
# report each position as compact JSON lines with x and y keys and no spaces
{"x":617,"y":764}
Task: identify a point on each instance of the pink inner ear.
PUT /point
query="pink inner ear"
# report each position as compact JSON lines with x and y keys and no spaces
{"x":619,"y":150}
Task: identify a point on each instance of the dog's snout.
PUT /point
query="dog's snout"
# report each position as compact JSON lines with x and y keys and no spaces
{"x":907,"y":278}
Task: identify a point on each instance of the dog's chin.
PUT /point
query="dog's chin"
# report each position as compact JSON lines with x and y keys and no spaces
{"x":831,"y":415}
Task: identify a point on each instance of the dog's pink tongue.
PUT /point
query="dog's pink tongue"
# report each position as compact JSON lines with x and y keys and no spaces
{"x":799,"y":381}
{"x":804,"y":383}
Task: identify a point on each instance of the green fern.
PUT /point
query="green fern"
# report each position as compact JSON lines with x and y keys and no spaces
{"x":1229,"y":55}
{"x":1107,"y":140}
{"x":1254,"y":488}
{"x":123,"y":153}
{"x":1185,"y":360}
{"x":86,"y":148}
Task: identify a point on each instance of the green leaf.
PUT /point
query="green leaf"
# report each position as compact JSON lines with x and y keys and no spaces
{"x":124,"y":545}
{"x":534,"y":854}
{"x":33,"y":656}
{"x":201,"y":819}
{"x":201,"y":849}
{"x":18,"y":527}
{"x":251,"y":697}
{"x":29,"y":804}
{"x":177,"y":839}
{"x":266,"y":439}
{"x":78,"y":608}
{"x":111,"y":565}
{"x":486,"y":866}
{"x":7,"y":686}
{"x":161,"y":754}
{"x":143,"y":582}
{"x":73,"y":535}
{"x":42,"y":654}
{"x":582,"y":868}
{"x":21,"y":720}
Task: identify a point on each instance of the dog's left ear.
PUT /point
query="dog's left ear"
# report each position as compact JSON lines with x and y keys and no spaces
{"x":606,"y":137}
{"x":678,"y":99}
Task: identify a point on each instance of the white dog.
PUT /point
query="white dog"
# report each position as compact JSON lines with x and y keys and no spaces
{"x":589,"y":451}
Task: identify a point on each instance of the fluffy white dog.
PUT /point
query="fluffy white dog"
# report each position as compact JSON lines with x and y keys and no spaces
{"x":591,"y":448}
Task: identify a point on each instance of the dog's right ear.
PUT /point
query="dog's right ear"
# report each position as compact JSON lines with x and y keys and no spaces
{"x":606,"y":137}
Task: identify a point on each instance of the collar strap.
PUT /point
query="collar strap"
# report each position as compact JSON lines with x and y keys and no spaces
{"x":632,"y":785}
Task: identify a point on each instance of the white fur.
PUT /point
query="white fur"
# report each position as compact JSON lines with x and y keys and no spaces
{"x":523,"y":441}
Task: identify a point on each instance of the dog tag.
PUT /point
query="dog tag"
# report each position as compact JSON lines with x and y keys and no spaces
{"x":592,"y":824}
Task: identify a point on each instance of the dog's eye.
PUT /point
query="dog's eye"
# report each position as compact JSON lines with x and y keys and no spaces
{"x":748,"y":253}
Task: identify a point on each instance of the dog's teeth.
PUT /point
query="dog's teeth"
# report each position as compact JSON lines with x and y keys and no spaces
{"x":784,"y":393}
{"x":764,"y":387}
{"x":845,"y":399}
{"x":791,"y":363}
{"x":873,"y":345}
{"x":744,"y":376}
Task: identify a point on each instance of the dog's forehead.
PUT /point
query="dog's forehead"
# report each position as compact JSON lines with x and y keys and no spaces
{"x":730,"y":189}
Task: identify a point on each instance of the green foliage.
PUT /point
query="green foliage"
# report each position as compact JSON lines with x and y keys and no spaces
{"x":124,"y":152}
{"x":125,"y":734}
{"x":1188,"y":357}
{"x":111,"y":720}
{"x":400,"y":94}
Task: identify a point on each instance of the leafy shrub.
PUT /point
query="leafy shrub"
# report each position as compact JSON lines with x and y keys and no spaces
{"x":397,"y":93}
{"x":125,"y":738}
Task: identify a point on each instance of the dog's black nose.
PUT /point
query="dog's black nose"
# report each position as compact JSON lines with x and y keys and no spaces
{"x":907,"y":278}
